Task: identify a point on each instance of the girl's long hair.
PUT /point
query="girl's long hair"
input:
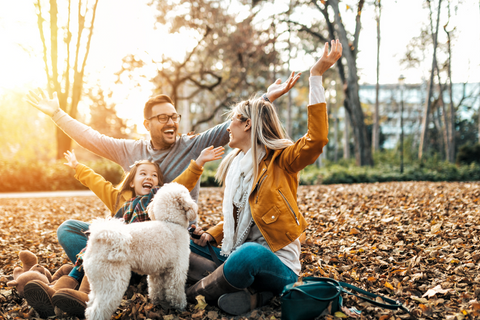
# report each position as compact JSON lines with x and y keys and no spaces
{"x":125,"y":184}
{"x":267,"y":131}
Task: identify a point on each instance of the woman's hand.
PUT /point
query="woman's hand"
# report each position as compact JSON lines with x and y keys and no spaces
{"x":204,"y":237}
{"x":210,"y":154}
{"x":278,"y":89}
{"x":42,"y":102}
{"x":327,"y":60}
{"x":71,"y":158}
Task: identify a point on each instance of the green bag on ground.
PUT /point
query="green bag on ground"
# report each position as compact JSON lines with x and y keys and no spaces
{"x":311,"y":298}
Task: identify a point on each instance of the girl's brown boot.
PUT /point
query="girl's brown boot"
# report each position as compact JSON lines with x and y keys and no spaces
{"x":73,"y":302}
{"x":39,"y":294}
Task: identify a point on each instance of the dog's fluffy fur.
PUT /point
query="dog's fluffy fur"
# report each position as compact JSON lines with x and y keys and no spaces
{"x":158,"y":248}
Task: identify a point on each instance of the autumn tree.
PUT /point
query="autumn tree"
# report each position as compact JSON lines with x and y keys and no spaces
{"x":441,"y":104}
{"x":376,"y":116}
{"x":66,"y":47}
{"x":347,"y":66}
{"x":103,"y":115}
{"x":426,"y":113}
{"x":229,"y":61}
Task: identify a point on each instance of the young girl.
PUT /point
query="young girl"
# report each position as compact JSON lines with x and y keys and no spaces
{"x":138,"y":181}
{"x":129,"y":201}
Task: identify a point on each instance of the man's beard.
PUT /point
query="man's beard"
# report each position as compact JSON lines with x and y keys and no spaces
{"x":161,"y":140}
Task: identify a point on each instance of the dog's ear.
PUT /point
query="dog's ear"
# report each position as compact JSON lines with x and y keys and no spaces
{"x":191,"y":210}
{"x":186,"y":202}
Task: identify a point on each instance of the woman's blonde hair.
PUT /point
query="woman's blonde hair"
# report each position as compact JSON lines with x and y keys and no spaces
{"x":267,"y":131}
{"x":125,"y":184}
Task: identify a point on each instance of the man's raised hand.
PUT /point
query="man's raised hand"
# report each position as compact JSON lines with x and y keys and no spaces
{"x":42,"y":102}
{"x":278,"y":89}
{"x":328,"y":59}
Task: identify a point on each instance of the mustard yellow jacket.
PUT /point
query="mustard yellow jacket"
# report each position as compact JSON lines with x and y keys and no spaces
{"x":108,"y":193}
{"x":273,"y":199}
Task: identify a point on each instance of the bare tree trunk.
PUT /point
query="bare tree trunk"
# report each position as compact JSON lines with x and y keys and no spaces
{"x":289,"y":105}
{"x":426,"y":113}
{"x":336,"y":29}
{"x":446,"y":131}
{"x":63,"y":141}
{"x":346,"y":140}
{"x":363,"y":150}
{"x":186,"y":123}
{"x":452,"y":120}
{"x":376,"y":125}
{"x":441,"y":102}
{"x":62,"y":85}
{"x":274,"y":62}
{"x":335,"y":137}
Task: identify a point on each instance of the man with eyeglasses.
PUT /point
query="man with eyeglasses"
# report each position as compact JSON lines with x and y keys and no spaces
{"x":171,"y":151}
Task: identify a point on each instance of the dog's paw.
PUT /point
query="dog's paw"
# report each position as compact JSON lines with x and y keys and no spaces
{"x":181,"y":307}
{"x":180,"y":303}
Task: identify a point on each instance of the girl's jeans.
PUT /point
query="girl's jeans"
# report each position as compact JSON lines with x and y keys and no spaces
{"x":252,"y":265}
{"x":72,"y":238}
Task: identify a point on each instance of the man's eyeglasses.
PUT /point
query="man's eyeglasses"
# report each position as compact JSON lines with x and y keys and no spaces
{"x":164,"y":118}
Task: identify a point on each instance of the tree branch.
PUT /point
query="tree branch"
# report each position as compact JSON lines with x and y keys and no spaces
{"x":307,"y":30}
{"x":40,"y":21}
{"x":358,"y":26}
{"x":222,"y":104}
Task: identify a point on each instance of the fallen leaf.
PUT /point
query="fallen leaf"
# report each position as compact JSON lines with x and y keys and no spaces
{"x":421,"y":300}
{"x":431,"y":292}
{"x":435,"y":228}
{"x":213,"y":315}
{"x":388,"y":285}
{"x":354,"y":231}
{"x":201,"y":303}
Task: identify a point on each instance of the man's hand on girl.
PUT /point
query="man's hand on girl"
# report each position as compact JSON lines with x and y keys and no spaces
{"x":71,"y":158}
{"x":210,"y":154}
{"x":42,"y":102}
{"x":328,"y":59}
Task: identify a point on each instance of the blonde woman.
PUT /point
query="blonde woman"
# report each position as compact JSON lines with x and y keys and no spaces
{"x":262,"y":223}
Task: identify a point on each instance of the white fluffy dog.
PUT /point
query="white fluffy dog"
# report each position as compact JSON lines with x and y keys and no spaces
{"x":158,"y":248}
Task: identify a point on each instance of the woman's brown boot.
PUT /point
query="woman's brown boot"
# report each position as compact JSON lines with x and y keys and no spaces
{"x":215,"y":288}
{"x":39,"y":294}
{"x":241,"y":302}
{"x":199,"y":268}
{"x":73,"y":302}
{"x":211,"y":287}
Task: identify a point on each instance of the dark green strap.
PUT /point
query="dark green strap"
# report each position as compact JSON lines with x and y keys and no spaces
{"x":391,"y":305}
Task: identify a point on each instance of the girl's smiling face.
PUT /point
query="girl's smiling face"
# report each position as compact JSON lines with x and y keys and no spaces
{"x":145,"y":179}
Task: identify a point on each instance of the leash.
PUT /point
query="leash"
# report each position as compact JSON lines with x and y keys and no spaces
{"x":209,"y":246}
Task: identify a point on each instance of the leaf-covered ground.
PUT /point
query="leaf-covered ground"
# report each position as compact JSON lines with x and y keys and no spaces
{"x":417,"y":242}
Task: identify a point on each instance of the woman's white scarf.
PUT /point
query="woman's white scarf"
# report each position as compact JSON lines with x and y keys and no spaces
{"x":238,"y":185}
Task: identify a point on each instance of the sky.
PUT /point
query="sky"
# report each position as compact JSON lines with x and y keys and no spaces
{"x":126,"y":26}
